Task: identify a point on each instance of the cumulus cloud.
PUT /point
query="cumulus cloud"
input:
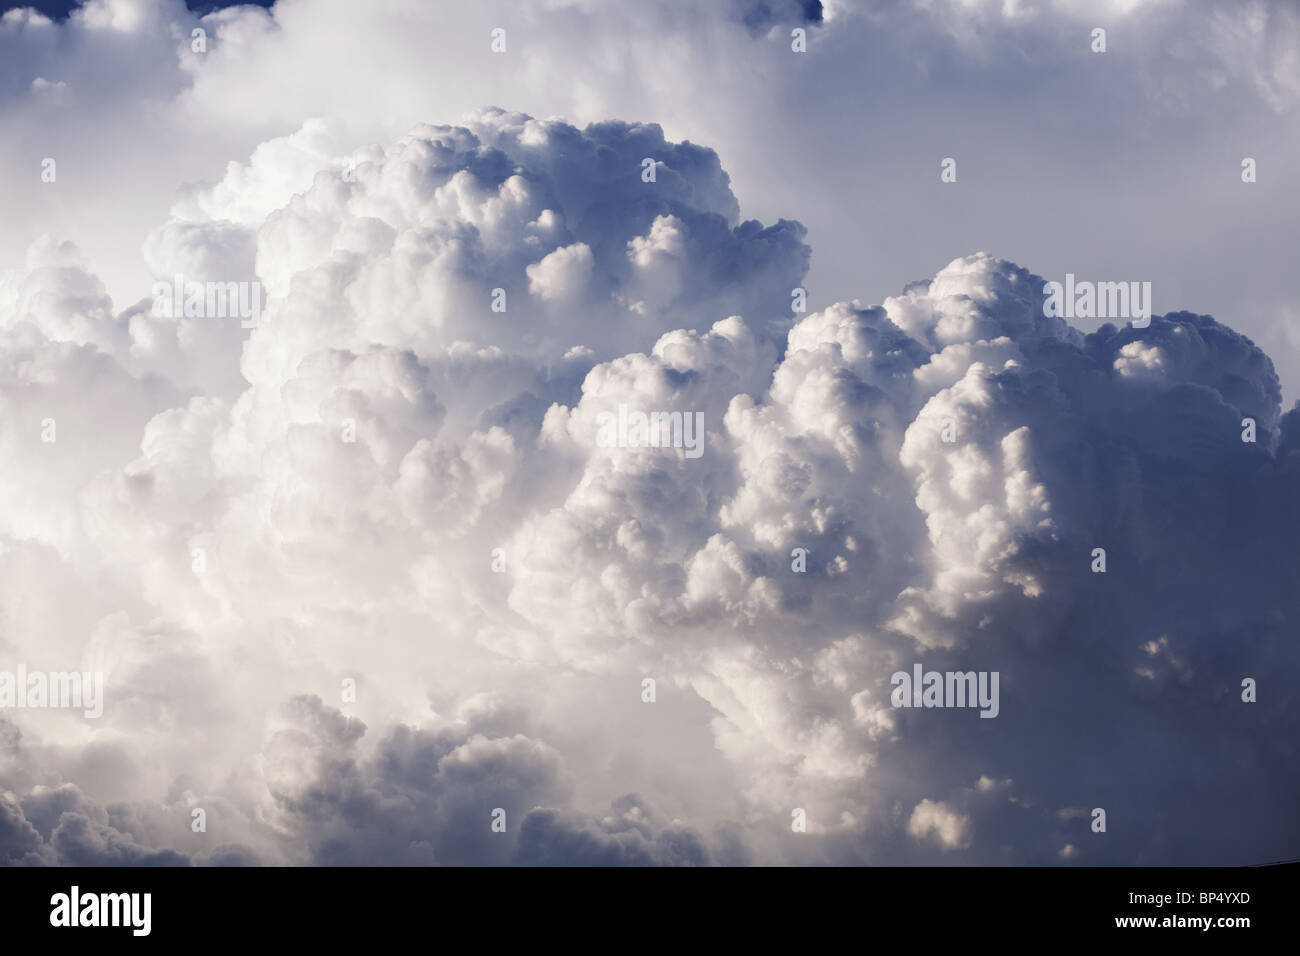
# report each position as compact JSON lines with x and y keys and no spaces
{"x":363,"y":575}
{"x":630,"y":835}
{"x":937,"y":821}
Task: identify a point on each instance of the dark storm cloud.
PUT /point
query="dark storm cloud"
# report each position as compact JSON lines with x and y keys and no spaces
{"x":632,"y":834}
{"x":760,"y":16}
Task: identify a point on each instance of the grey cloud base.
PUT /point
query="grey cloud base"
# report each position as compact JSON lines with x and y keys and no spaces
{"x":327,"y":560}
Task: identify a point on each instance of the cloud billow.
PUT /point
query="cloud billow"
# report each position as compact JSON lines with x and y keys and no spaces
{"x":472,"y":430}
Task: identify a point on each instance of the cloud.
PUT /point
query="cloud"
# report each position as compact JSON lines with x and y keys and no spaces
{"x":364,"y":574}
{"x":410,"y":801}
{"x":939,"y":822}
{"x":1175,"y":75}
{"x":561,"y":274}
{"x":631,"y":835}
{"x":761,"y":16}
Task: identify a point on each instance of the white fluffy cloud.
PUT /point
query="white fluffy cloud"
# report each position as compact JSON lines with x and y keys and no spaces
{"x":252,"y":519}
{"x":939,"y":822}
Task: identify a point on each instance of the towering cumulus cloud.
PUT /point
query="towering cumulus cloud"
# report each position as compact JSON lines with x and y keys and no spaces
{"x":366,"y":584}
